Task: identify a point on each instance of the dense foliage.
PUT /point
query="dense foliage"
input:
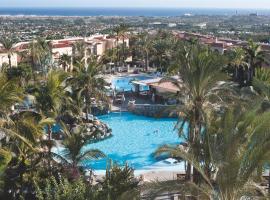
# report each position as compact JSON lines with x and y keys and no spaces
{"x":224,"y":103}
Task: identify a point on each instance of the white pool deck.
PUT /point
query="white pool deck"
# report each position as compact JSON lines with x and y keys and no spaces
{"x":160,"y":172}
{"x":156,"y":172}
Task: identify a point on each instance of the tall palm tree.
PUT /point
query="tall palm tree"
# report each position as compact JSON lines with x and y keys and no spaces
{"x":238,"y":61}
{"x":8,"y":45}
{"x":255,"y":56}
{"x":51,"y":96}
{"x":162,"y":49}
{"x":79,"y":52}
{"x":88,"y":83}
{"x":65,"y":61}
{"x":10,"y":94}
{"x":39,"y":55}
{"x":24,"y":141}
{"x":123,"y":29}
{"x":145,"y":45}
{"x":30,"y":127}
{"x":199,"y":69}
{"x":46,"y":59}
{"x":117,"y":31}
{"x":238,"y":143}
{"x":110,"y":57}
{"x":120,"y":32}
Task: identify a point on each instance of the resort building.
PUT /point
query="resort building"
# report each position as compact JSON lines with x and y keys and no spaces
{"x":158,"y":89}
{"x":95,"y":45}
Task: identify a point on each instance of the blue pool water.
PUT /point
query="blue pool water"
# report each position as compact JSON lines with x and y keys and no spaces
{"x":135,"y":139}
{"x":125,"y":83}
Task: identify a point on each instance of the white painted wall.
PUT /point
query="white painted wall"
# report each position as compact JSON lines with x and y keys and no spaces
{"x":63,"y":50}
{"x":4,"y":59}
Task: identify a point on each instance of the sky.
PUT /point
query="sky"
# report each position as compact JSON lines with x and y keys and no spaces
{"x":139,"y":3}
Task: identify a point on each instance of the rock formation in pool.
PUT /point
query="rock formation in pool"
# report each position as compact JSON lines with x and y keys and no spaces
{"x":96,"y":130}
{"x":93,"y":129}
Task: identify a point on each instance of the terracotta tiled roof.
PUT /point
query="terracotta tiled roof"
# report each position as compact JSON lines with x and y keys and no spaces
{"x":62,"y":45}
{"x":166,"y":86}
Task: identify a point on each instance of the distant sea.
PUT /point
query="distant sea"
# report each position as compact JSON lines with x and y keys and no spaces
{"x":126,"y":11}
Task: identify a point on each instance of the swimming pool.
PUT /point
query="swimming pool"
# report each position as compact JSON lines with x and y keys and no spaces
{"x":124,"y":83}
{"x":135,"y":139}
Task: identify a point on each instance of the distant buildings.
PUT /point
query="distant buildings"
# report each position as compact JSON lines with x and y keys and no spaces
{"x":95,"y":45}
{"x":99,"y":44}
{"x":221,"y":45}
{"x":253,"y":14}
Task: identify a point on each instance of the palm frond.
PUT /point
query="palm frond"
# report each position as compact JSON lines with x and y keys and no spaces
{"x":91,"y":154}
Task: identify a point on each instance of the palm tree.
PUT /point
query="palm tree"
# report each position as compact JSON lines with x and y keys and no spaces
{"x":162,"y":49}
{"x":200,"y":72}
{"x":88,"y":83}
{"x":46,"y":59}
{"x":109,"y":57}
{"x":5,"y":158}
{"x":117,"y":30}
{"x":255,"y":57}
{"x":65,"y":61}
{"x":261,"y":83}
{"x":238,"y":61}
{"x":79,"y":52}
{"x":10,"y":94}
{"x":118,"y":182}
{"x":73,"y":155}
{"x":120,"y":32}
{"x":145,"y":45}
{"x":8,"y":45}
{"x":123,"y":29}
{"x":30,"y":128}
{"x":39,"y":54}
{"x":158,"y":48}
{"x":51,"y":96}
{"x":24,"y":141}
{"x":237,"y":143}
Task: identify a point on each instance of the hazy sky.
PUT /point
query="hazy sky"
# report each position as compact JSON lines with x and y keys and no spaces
{"x":138,"y":3}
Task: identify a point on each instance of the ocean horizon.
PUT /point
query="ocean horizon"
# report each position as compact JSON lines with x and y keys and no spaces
{"x":148,"y":12}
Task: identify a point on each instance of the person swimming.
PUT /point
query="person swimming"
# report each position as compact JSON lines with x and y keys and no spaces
{"x":155,"y":132}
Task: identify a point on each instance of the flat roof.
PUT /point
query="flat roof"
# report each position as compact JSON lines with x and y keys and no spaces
{"x":160,"y":83}
{"x":147,"y":81}
{"x":166,"y":86}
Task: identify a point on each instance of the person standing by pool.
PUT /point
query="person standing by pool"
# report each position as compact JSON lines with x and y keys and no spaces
{"x":153,"y":97}
{"x":123,"y":98}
